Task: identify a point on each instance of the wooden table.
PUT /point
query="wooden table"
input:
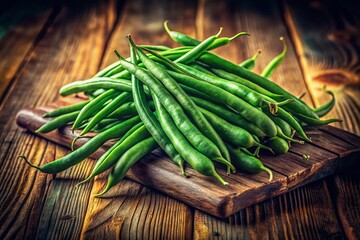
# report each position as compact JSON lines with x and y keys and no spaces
{"x":46,"y":46}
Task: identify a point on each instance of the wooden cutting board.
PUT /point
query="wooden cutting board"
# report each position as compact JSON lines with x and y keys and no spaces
{"x":332,"y":149}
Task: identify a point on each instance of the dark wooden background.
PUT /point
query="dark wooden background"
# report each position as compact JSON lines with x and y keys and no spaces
{"x":44,"y":45}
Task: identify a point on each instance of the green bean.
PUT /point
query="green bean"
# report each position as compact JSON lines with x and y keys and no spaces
{"x":247,"y":111}
{"x":127,"y":160}
{"x":278,"y":145}
{"x":273,"y":64}
{"x":194,"y":158}
{"x":201,"y":142}
{"x":198,"y":50}
{"x":101,"y":164}
{"x":156,"y":48}
{"x":65,"y":109}
{"x":104,"y":112}
{"x":180,"y":37}
{"x":284,"y":126}
{"x":189,"y":41}
{"x":316,"y":122}
{"x":249,"y":64}
{"x":327,"y":107}
{"x":289,"y":139}
{"x":149,"y":119}
{"x":58,"y":122}
{"x":247,"y":162}
{"x":229,"y":116}
{"x":232,"y":77}
{"x":96,"y":83}
{"x":281,"y":113}
{"x":185,"y":101}
{"x":219,"y":62}
{"x":239,"y":90}
{"x":127,"y":109}
{"x":114,"y":68}
{"x":93,"y":106}
{"x":231,"y":133}
{"x":87,"y":149}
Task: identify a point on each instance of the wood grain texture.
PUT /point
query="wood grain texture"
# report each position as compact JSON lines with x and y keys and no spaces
{"x":51,"y":64}
{"x":327,"y":42}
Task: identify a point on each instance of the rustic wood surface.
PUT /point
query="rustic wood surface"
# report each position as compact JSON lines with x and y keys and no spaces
{"x":73,"y":40}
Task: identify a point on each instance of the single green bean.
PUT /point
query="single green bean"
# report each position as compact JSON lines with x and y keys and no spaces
{"x":273,"y":64}
{"x":327,"y":107}
{"x":249,"y":64}
{"x":87,"y":149}
{"x":198,"y":50}
{"x":58,"y":122}
{"x":65,"y":110}
{"x":248,"y":163}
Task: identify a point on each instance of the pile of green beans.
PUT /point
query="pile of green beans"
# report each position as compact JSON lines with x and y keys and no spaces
{"x":200,"y":108}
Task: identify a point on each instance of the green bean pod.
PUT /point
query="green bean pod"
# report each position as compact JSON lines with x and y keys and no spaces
{"x":247,"y":111}
{"x":219,"y":62}
{"x":284,"y":126}
{"x":65,"y":110}
{"x":102,"y":165}
{"x":327,"y":107}
{"x":278,"y":145}
{"x":249,"y":64}
{"x":189,"y":41}
{"x":127,"y":160}
{"x":185,"y":101}
{"x":58,"y":122}
{"x":181,"y":120}
{"x":316,"y":122}
{"x":104,"y":112}
{"x":87,"y":149}
{"x":93,"y":106}
{"x":149,"y":119}
{"x":239,"y":90}
{"x":194,"y":158}
{"x":96,"y":83}
{"x":228,"y":115}
{"x":198,"y":50}
{"x":248,"y":163}
{"x":273,"y":64}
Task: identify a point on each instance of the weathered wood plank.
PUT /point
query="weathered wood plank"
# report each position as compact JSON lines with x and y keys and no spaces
{"x":256,"y":19}
{"x":60,"y":57}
